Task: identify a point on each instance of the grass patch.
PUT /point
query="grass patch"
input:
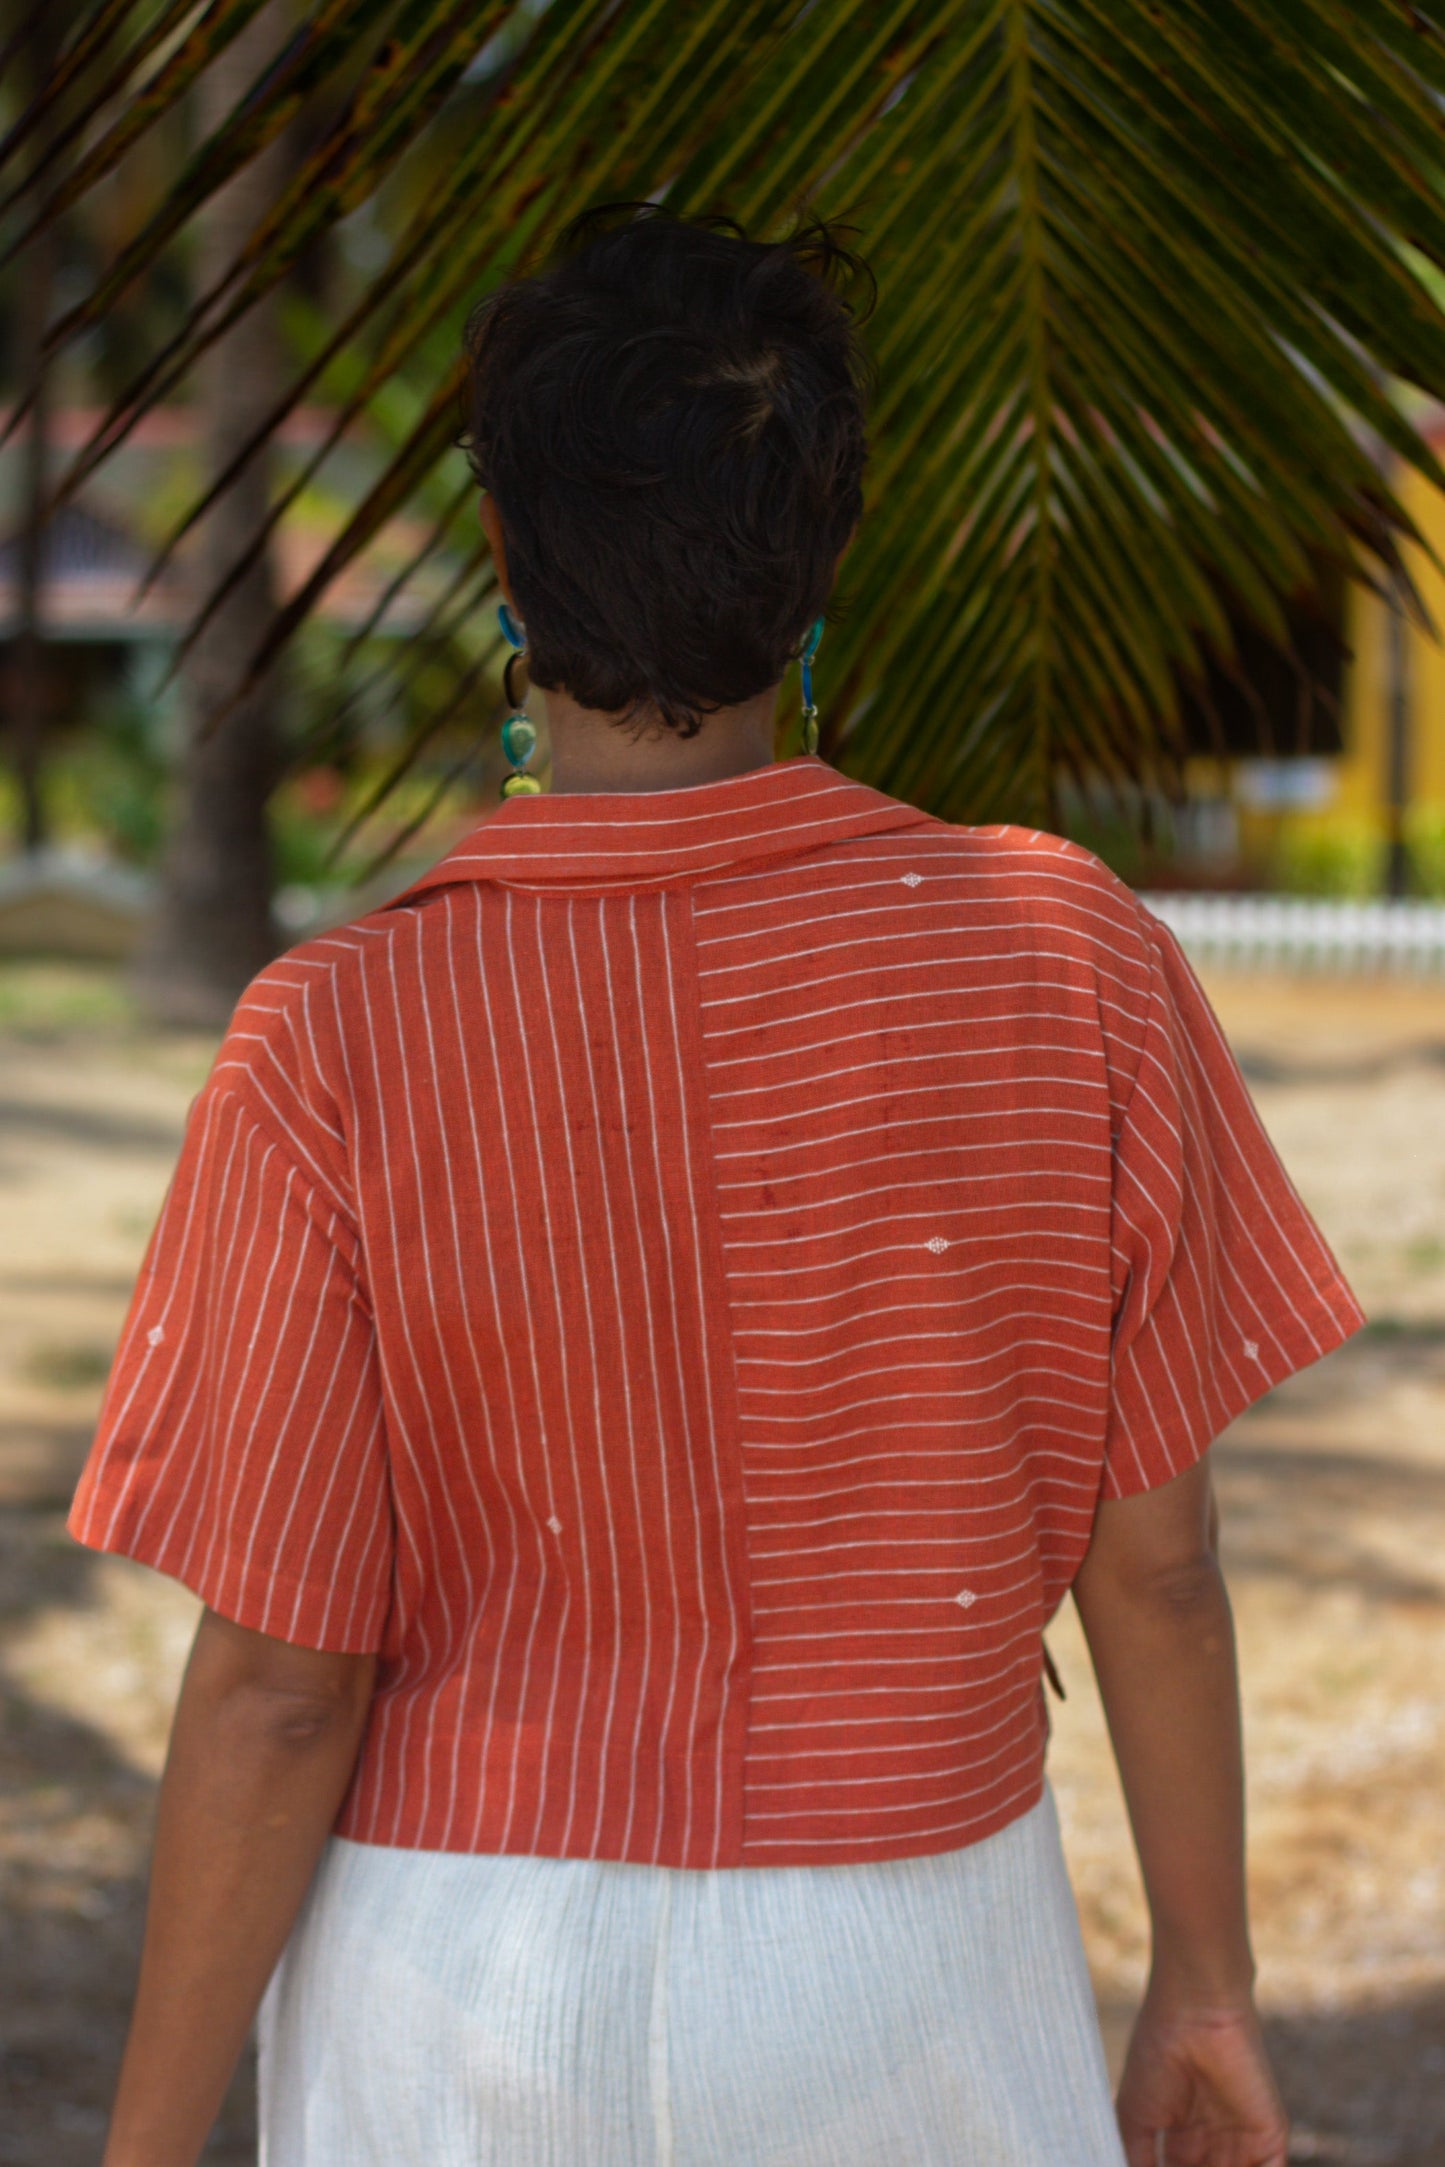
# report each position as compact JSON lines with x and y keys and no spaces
{"x":40,"y":998}
{"x":1423,"y":1331}
{"x":67,"y":1368}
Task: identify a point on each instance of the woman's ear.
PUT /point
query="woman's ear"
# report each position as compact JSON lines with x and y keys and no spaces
{"x":492,"y":527}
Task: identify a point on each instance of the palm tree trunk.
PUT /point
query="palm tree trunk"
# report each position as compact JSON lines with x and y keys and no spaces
{"x":214,"y":929}
{"x":30,"y":679}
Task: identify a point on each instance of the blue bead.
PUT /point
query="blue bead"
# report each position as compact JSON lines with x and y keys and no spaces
{"x":519,"y":739}
{"x":512,"y":632}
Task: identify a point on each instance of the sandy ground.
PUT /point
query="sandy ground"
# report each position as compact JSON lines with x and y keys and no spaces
{"x":1334,"y":1509}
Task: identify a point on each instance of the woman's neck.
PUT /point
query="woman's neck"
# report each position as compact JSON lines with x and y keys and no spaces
{"x":592,"y":752}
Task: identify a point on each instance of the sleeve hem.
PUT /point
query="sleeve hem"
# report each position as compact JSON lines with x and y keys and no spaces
{"x":245,"y":1596}
{"x":1335,"y":1317}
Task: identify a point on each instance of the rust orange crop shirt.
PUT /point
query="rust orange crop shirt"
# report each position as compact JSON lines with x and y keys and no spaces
{"x":676,"y":1284}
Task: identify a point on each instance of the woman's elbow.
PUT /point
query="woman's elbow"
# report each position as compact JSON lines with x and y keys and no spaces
{"x":279,"y":1696}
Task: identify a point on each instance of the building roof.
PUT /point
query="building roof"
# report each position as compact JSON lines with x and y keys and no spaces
{"x":100,"y":547}
{"x":92,"y":573}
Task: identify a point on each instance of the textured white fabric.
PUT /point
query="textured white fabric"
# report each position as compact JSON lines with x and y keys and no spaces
{"x":460,"y":2011}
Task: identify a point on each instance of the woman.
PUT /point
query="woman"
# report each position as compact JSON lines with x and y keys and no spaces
{"x":645,"y":1331}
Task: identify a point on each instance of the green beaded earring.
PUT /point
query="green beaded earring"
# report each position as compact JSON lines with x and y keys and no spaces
{"x":810,"y":713}
{"x":519,"y":732}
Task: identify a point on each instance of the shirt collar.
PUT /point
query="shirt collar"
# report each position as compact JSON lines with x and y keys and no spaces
{"x":661,"y":836}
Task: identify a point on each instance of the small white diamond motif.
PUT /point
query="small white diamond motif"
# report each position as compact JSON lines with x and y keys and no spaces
{"x":1251,"y":1348}
{"x":555,"y":1524}
{"x":911,"y":880}
{"x":965,"y":1598}
{"x":937,"y":1243}
{"x":155,"y":1335}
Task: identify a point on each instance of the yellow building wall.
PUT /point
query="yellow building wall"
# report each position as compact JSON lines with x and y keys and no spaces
{"x":1342,"y":840}
{"x":1337,"y":844}
{"x":1364,"y":770}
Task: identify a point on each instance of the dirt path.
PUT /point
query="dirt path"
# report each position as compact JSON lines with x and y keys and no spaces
{"x":1334,"y":1507}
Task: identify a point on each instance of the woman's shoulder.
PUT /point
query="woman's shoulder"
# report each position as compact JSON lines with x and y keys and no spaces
{"x":1034,"y":880}
{"x":324,"y":986}
{"x":290,"y":1049}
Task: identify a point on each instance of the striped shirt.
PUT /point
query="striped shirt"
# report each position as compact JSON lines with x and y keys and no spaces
{"x":675,"y":1285}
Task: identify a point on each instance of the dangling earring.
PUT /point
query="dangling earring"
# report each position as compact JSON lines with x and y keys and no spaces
{"x":519,"y":732}
{"x":810,"y":713}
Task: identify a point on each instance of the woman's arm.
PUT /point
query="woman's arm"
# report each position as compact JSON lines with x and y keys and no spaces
{"x":262,"y":1749}
{"x":1154,"y":1607}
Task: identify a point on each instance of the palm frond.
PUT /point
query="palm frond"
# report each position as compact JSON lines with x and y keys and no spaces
{"x":145,"y":104}
{"x":1149,"y":284}
{"x":414,"y":461}
{"x":93,"y":35}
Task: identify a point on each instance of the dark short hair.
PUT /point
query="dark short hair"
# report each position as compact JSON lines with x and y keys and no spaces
{"x":670,"y":418}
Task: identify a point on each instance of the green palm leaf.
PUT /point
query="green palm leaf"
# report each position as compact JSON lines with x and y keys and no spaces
{"x":99,"y":30}
{"x":1148,"y":287}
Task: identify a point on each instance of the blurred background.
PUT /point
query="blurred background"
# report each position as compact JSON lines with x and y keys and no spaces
{"x":1152,"y":557}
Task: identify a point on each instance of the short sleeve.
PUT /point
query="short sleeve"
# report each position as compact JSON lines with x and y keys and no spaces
{"x":241,"y":1444}
{"x":1223,"y":1284}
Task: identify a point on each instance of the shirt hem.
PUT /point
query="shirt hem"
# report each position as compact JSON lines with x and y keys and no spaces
{"x":801,"y":1851}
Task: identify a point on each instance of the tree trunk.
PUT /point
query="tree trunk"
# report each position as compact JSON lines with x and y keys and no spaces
{"x":1398,"y":717}
{"x":214,"y":929}
{"x":29,"y":678}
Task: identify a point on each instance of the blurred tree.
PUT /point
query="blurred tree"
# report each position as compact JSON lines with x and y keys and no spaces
{"x":1150,"y":277}
{"x":36,"y":38}
{"x":214,"y":929}
{"x":64,"y":257}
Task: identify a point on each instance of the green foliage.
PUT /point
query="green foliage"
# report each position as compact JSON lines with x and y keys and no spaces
{"x":305,"y":826}
{"x":1425,"y":845}
{"x":1145,"y":291}
{"x":313,"y":813}
{"x":97,"y":793}
{"x":67,"y":1366}
{"x":117,"y":779}
{"x":44,"y":999}
{"x":398,"y":756}
{"x":1343,"y":855}
{"x":1331,"y":855}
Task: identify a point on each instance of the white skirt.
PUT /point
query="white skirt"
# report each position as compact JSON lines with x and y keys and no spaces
{"x":441,"y":2010}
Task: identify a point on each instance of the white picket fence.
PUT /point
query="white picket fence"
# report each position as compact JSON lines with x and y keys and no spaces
{"x":1298,"y":933}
